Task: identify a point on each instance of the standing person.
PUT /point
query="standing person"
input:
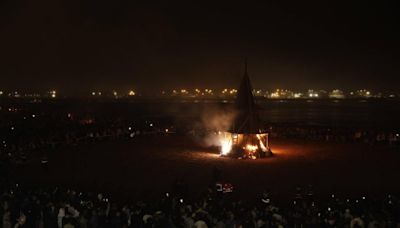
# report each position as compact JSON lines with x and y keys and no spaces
{"x":60,"y":216}
{"x":7,"y":219}
{"x":200,"y":224}
{"x":20,"y":221}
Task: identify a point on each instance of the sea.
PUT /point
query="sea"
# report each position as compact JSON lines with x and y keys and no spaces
{"x":351,"y":113}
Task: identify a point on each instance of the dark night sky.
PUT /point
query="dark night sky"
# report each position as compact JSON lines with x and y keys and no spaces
{"x":80,"y":45}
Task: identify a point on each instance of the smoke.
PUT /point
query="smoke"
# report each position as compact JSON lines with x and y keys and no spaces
{"x":215,"y":122}
{"x":217,"y":119}
{"x":203,"y":121}
{"x":212,"y":139}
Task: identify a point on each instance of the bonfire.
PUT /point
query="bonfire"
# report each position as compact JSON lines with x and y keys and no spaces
{"x":245,"y":137}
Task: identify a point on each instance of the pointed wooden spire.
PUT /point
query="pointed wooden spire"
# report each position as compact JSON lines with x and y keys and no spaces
{"x":247,"y":120}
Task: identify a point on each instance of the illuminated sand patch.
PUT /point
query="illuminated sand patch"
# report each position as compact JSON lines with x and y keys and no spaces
{"x":136,"y":167}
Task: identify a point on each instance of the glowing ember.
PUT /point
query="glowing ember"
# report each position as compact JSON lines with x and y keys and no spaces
{"x":251,"y":148}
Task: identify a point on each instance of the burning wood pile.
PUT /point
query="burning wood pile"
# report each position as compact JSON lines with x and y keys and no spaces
{"x":246,"y":137}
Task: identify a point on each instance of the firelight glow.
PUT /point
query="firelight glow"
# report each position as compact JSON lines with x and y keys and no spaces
{"x":226,"y":143}
{"x":251,"y":148}
{"x":226,"y":146}
{"x":263,"y":147}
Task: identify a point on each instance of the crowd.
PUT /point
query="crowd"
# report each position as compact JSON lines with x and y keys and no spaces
{"x":24,"y":135}
{"x":66,"y":208}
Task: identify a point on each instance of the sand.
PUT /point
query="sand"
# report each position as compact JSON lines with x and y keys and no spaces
{"x":147,"y":167}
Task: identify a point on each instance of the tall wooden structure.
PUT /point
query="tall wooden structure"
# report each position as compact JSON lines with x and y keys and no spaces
{"x":246,"y":137}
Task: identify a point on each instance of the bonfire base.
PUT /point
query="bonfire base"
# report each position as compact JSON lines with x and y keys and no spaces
{"x":243,"y":154}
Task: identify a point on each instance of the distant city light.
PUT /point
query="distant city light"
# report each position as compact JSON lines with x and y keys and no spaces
{"x":336,"y":93}
{"x":298,"y":95}
{"x":230,"y":91}
{"x":282,"y":93}
{"x":227,"y":93}
{"x":53,"y":94}
{"x":312,"y":94}
{"x":94,"y":93}
{"x":363,"y":93}
{"x":275,"y":95}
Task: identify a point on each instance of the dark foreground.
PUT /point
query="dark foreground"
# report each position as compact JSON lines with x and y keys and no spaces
{"x":147,"y":167}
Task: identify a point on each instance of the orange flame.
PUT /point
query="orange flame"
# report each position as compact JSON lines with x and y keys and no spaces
{"x":263,"y":147}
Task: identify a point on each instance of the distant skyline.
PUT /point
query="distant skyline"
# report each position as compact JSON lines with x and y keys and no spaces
{"x":204,"y":93}
{"x":84,"y":45}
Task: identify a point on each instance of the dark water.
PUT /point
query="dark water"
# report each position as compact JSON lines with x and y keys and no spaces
{"x":341,"y":113}
{"x":369,"y":113}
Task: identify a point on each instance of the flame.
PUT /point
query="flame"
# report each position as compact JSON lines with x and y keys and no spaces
{"x":251,"y":148}
{"x":226,"y":146}
{"x":263,"y":147}
{"x":227,"y":140}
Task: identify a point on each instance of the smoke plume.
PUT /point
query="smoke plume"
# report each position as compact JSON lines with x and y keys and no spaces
{"x":215,"y":122}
